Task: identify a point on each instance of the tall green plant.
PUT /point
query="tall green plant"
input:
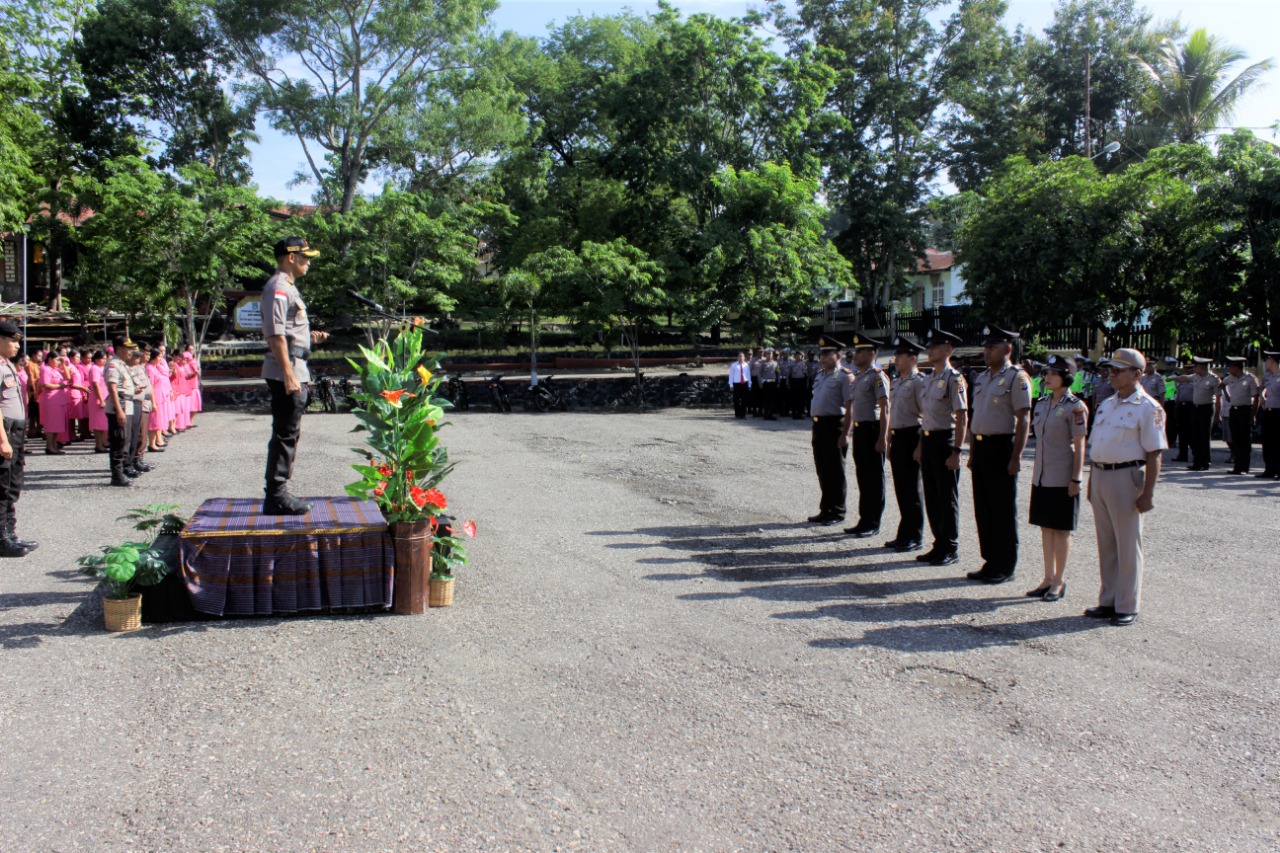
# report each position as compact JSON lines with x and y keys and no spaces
{"x":397,"y":407}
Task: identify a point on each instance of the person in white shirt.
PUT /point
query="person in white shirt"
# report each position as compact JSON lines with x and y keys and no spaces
{"x":740,"y":383}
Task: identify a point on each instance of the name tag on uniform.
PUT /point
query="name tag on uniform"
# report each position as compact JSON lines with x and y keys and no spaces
{"x":942,"y":383}
{"x":1062,"y":413}
{"x":1001,"y":382}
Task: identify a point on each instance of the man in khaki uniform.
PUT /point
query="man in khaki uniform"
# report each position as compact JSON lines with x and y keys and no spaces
{"x":13,"y":439}
{"x":944,"y":423}
{"x":1204,"y":383}
{"x":1240,"y":396}
{"x":829,"y":408}
{"x":1125,"y":449}
{"x":119,"y":406}
{"x":905,"y":399}
{"x":870,"y":435}
{"x":999,"y":427}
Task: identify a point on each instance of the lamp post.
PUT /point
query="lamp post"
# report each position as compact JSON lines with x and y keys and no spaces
{"x":1110,"y":148}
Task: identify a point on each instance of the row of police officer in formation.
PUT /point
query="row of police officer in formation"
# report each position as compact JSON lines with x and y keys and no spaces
{"x":922,"y":424}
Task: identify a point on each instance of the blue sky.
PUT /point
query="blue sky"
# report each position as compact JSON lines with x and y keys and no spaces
{"x":1251,"y":25}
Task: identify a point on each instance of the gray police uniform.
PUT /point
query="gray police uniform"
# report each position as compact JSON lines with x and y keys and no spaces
{"x":1184,"y":403}
{"x":946,"y":394}
{"x":997,"y":398}
{"x":1204,"y":390}
{"x":1056,"y":425}
{"x":831,"y":393}
{"x":906,"y":400}
{"x":769,"y":389}
{"x":12,"y":470}
{"x":1239,"y":397}
{"x":799,"y":373}
{"x":1270,"y":414}
{"x":284,"y":313}
{"x":118,"y":373}
{"x":144,"y":403}
{"x":1124,"y":432}
{"x":870,"y":395}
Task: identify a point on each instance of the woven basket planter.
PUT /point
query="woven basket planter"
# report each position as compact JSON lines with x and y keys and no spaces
{"x":441,"y":593}
{"x":122,"y":614}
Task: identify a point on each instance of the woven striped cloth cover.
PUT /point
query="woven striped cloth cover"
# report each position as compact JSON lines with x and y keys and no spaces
{"x":238,"y":562}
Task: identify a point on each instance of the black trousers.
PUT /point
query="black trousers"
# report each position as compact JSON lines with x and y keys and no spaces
{"x":286,"y":427}
{"x":137,"y":429}
{"x":1241,"y":420}
{"x":1271,"y":441}
{"x":753,"y":397}
{"x":769,"y":399}
{"x":828,"y":460}
{"x":799,"y":397}
{"x":941,"y":490}
{"x":740,"y":391}
{"x":117,"y":439}
{"x":995,"y":503}
{"x":868,"y":466}
{"x":1171,"y":422}
{"x":1186,"y":429}
{"x":906,"y":483}
{"x":12,"y":473}
{"x":1202,"y":431}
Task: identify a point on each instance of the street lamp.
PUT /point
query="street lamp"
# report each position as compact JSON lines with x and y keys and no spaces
{"x":1110,"y":148}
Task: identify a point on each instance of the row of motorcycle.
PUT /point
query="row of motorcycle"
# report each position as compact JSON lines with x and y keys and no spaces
{"x":331,"y":393}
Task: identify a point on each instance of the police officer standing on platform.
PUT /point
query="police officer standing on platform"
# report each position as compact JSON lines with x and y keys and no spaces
{"x":1001,"y":410}
{"x":289,"y":338}
{"x":13,"y":439}
{"x":905,"y":401}
{"x":830,"y":409}
{"x":870,"y":435}
{"x":944,"y":422}
{"x":1125,"y":448}
{"x":1204,"y":398}
{"x":1241,"y":399}
{"x":1270,"y":415}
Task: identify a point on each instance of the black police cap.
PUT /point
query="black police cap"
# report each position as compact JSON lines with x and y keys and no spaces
{"x":9,"y":329}
{"x":935,"y":336}
{"x":903,"y":346}
{"x":1063,"y":366}
{"x":294,"y":244}
{"x":997,"y":335}
{"x":864,"y":342}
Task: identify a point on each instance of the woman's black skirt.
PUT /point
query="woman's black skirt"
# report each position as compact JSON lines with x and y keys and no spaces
{"x":1053,"y":508}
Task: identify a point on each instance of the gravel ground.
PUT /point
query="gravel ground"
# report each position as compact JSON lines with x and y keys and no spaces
{"x":652,"y":652}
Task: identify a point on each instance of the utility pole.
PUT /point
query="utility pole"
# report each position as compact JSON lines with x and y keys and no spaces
{"x":1088,"y":98}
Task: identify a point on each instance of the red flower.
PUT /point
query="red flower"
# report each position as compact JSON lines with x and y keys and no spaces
{"x":436,"y":499}
{"x":408,"y":476}
{"x":379,"y":489}
{"x":469,"y":528}
{"x":393,"y":397}
{"x":384,"y":470}
{"x":418,"y":496}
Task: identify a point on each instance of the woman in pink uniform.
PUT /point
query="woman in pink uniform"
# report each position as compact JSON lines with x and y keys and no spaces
{"x":169,"y":369}
{"x":159,"y":417}
{"x":181,"y":401}
{"x":97,"y":401}
{"x":76,"y":410}
{"x":197,"y":398}
{"x":55,"y":400}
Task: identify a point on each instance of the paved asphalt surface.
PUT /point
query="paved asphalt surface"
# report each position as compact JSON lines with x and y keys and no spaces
{"x":652,"y":652}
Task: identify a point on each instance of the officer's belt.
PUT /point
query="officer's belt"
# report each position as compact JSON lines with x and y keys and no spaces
{"x":1116,"y":466}
{"x":987,"y":435}
{"x":939,"y":432}
{"x":903,"y":429}
{"x":299,"y":353}
{"x":820,"y":418}
{"x":13,"y":424}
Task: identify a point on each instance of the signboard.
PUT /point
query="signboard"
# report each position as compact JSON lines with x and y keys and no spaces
{"x":248,"y":313}
{"x":10,"y":262}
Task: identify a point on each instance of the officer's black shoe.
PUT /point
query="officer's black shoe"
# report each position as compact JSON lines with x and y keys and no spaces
{"x":894,"y":543}
{"x":1100,"y":612}
{"x":819,"y":518}
{"x":945,"y":559}
{"x":860,"y":532}
{"x":909,"y":546}
{"x":123,"y":482}
{"x":285,"y":504}
{"x":995,"y":579}
{"x":929,"y":556}
{"x":9,"y":548}
{"x":1124,"y":618}
{"x":145,"y":467}
{"x":26,"y":544}
{"x":1265,"y":475}
{"x":833,"y":520}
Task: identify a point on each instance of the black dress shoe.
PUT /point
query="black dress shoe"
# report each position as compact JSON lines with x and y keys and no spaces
{"x":1100,"y":612}
{"x":1039,"y":592}
{"x":832,"y":521}
{"x":9,"y":548}
{"x":862,"y":532}
{"x":122,"y":482}
{"x":908,"y":546}
{"x":1124,"y":618}
{"x":894,"y":543}
{"x":285,"y":504}
{"x":945,"y":559}
{"x":1056,"y":596}
{"x":929,"y":556}
{"x":1265,"y":475}
{"x":987,"y":577}
{"x":819,"y":518}
{"x":25,"y":544}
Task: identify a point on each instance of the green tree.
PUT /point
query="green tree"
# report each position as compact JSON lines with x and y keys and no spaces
{"x":1193,"y":92}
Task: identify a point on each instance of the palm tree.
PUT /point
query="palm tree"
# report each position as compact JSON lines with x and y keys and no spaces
{"x":1191,"y":95}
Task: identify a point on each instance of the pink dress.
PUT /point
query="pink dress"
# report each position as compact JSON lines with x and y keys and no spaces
{"x":54,"y":404}
{"x":166,"y":399}
{"x":78,"y":409}
{"x":97,"y":414}
{"x":197,"y":398}
{"x":182,"y":400}
{"x":160,"y":389}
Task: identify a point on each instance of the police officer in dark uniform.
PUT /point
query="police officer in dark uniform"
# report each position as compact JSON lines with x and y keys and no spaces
{"x":1001,"y":421}
{"x":1204,"y":398}
{"x":870,"y":411}
{"x":13,"y":439}
{"x":289,"y":338}
{"x":944,"y":422}
{"x":830,"y":409}
{"x":1269,"y":413}
{"x":905,"y":400}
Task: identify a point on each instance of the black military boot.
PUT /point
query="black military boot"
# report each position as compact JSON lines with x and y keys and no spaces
{"x":26,"y":544}
{"x":283,"y":503}
{"x":9,"y":548}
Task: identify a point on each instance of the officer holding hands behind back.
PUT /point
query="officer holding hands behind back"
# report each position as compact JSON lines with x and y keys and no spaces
{"x":830,"y":409}
{"x":289,"y":338}
{"x":905,"y":401}
{"x":944,"y":422}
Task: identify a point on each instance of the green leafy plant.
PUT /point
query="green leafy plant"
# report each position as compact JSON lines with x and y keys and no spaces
{"x":396,"y":405}
{"x":447,"y":551}
{"x":121,"y":568}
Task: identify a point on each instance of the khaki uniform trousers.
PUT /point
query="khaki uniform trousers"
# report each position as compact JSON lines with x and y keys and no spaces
{"x":1114,"y":497}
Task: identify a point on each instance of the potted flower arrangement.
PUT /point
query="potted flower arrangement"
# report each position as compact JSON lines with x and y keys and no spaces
{"x":448,"y":554}
{"x":405,"y":462}
{"x":120,"y":569}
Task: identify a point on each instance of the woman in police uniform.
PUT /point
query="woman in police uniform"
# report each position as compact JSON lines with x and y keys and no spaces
{"x":1060,"y":422}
